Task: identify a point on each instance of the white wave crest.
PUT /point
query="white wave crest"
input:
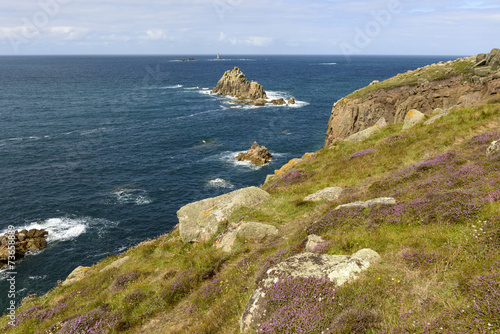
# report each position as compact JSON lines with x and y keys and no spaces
{"x":131,"y":196}
{"x":276,"y":95}
{"x":220,"y":183}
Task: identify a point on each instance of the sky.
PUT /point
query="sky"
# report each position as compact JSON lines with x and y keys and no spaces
{"x":193,"y":27}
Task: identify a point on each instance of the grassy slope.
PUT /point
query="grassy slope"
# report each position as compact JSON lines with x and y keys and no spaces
{"x":440,"y":246}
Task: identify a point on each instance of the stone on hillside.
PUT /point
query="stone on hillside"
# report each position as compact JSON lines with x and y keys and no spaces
{"x":438,"y":113}
{"x":329,"y":194}
{"x":483,"y":71}
{"x":257,"y":155}
{"x":494,"y":148}
{"x":255,"y":232}
{"x":493,"y":59}
{"x":200,"y":220}
{"x":413,"y":118}
{"x":369,"y":203}
{"x":234,"y":83}
{"x":480,"y":58}
{"x":422,"y":82}
{"x":76,"y":275}
{"x":117,"y":264}
{"x":368,"y":132}
{"x":313,"y":241}
{"x":339,"y":269}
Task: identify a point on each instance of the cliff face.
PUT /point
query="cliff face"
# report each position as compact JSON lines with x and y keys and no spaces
{"x":234,"y":83}
{"x":360,"y":111}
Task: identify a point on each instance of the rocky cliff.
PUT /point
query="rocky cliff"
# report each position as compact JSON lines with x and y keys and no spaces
{"x":462,"y":82}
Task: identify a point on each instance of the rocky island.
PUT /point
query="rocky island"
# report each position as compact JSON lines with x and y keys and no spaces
{"x":234,"y":83}
{"x":257,"y":155}
{"x":24,"y":242}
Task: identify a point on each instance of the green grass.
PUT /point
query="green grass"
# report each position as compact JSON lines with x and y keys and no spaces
{"x":410,"y":78}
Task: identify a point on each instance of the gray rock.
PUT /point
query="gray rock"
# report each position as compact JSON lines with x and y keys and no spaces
{"x":483,"y":71}
{"x":200,"y":220}
{"x":494,"y":148}
{"x":117,"y":264}
{"x":369,"y":203}
{"x":329,"y":194}
{"x":368,"y":132}
{"x":339,"y":269}
{"x":481,"y":58}
{"x":76,"y":275}
{"x":413,"y":118}
{"x":493,"y":59}
{"x":438,"y":113}
{"x":248,"y":231}
{"x":422,"y":82}
{"x":313,"y":241}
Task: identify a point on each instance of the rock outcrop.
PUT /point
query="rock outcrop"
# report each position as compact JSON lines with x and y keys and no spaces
{"x":199,"y":221}
{"x":24,"y":242}
{"x":368,"y":132}
{"x":253,"y":232}
{"x":413,"y":118}
{"x":369,"y":203}
{"x":487,"y":63}
{"x":257,"y":155}
{"x":358,"y":112}
{"x":339,"y":269}
{"x":328,"y":194}
{"x":234,"y":83}
{"x":76,"y":275}
{"x":493,"y":149}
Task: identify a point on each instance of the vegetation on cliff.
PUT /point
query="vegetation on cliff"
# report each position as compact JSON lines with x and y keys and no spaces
{"x":439,"y":248}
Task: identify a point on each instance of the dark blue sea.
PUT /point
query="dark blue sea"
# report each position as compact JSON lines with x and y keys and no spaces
{"x":103,"y":150}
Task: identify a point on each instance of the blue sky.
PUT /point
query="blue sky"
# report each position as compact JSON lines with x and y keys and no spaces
{"x":190,"y":27}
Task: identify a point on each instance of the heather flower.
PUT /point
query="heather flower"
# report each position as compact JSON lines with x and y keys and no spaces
{"x":299,"y":305}
{"x":293,"y":177}
{"x":419,"y":259}
{"x":27,"y":314}
{"x":362,"y":153}
{"x":125,"y":279}
{"x":94,"y":322}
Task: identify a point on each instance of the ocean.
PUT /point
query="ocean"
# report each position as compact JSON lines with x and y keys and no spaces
{"x":103,"y":150}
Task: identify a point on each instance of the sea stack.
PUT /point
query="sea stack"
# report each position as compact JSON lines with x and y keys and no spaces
{"x":257,"y":155}
{"x":234,"y":83}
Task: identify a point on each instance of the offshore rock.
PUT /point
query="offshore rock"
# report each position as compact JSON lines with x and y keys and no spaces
{"x":234,"y":83}
{"x":24,"y":242}
{"x":339,"y":269}
{"x":257,"y":155}
{"x":199,"y":221}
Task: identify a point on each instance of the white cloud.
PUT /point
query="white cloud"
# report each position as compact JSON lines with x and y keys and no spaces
{"x":250,"y":41}
{"x":156,"y":34}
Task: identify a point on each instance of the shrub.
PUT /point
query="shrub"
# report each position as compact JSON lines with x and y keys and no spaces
{"x":299,"y":305}
{"x":362,"y":153}
{"x":293,"y":177}
{"x":97,"y":321}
